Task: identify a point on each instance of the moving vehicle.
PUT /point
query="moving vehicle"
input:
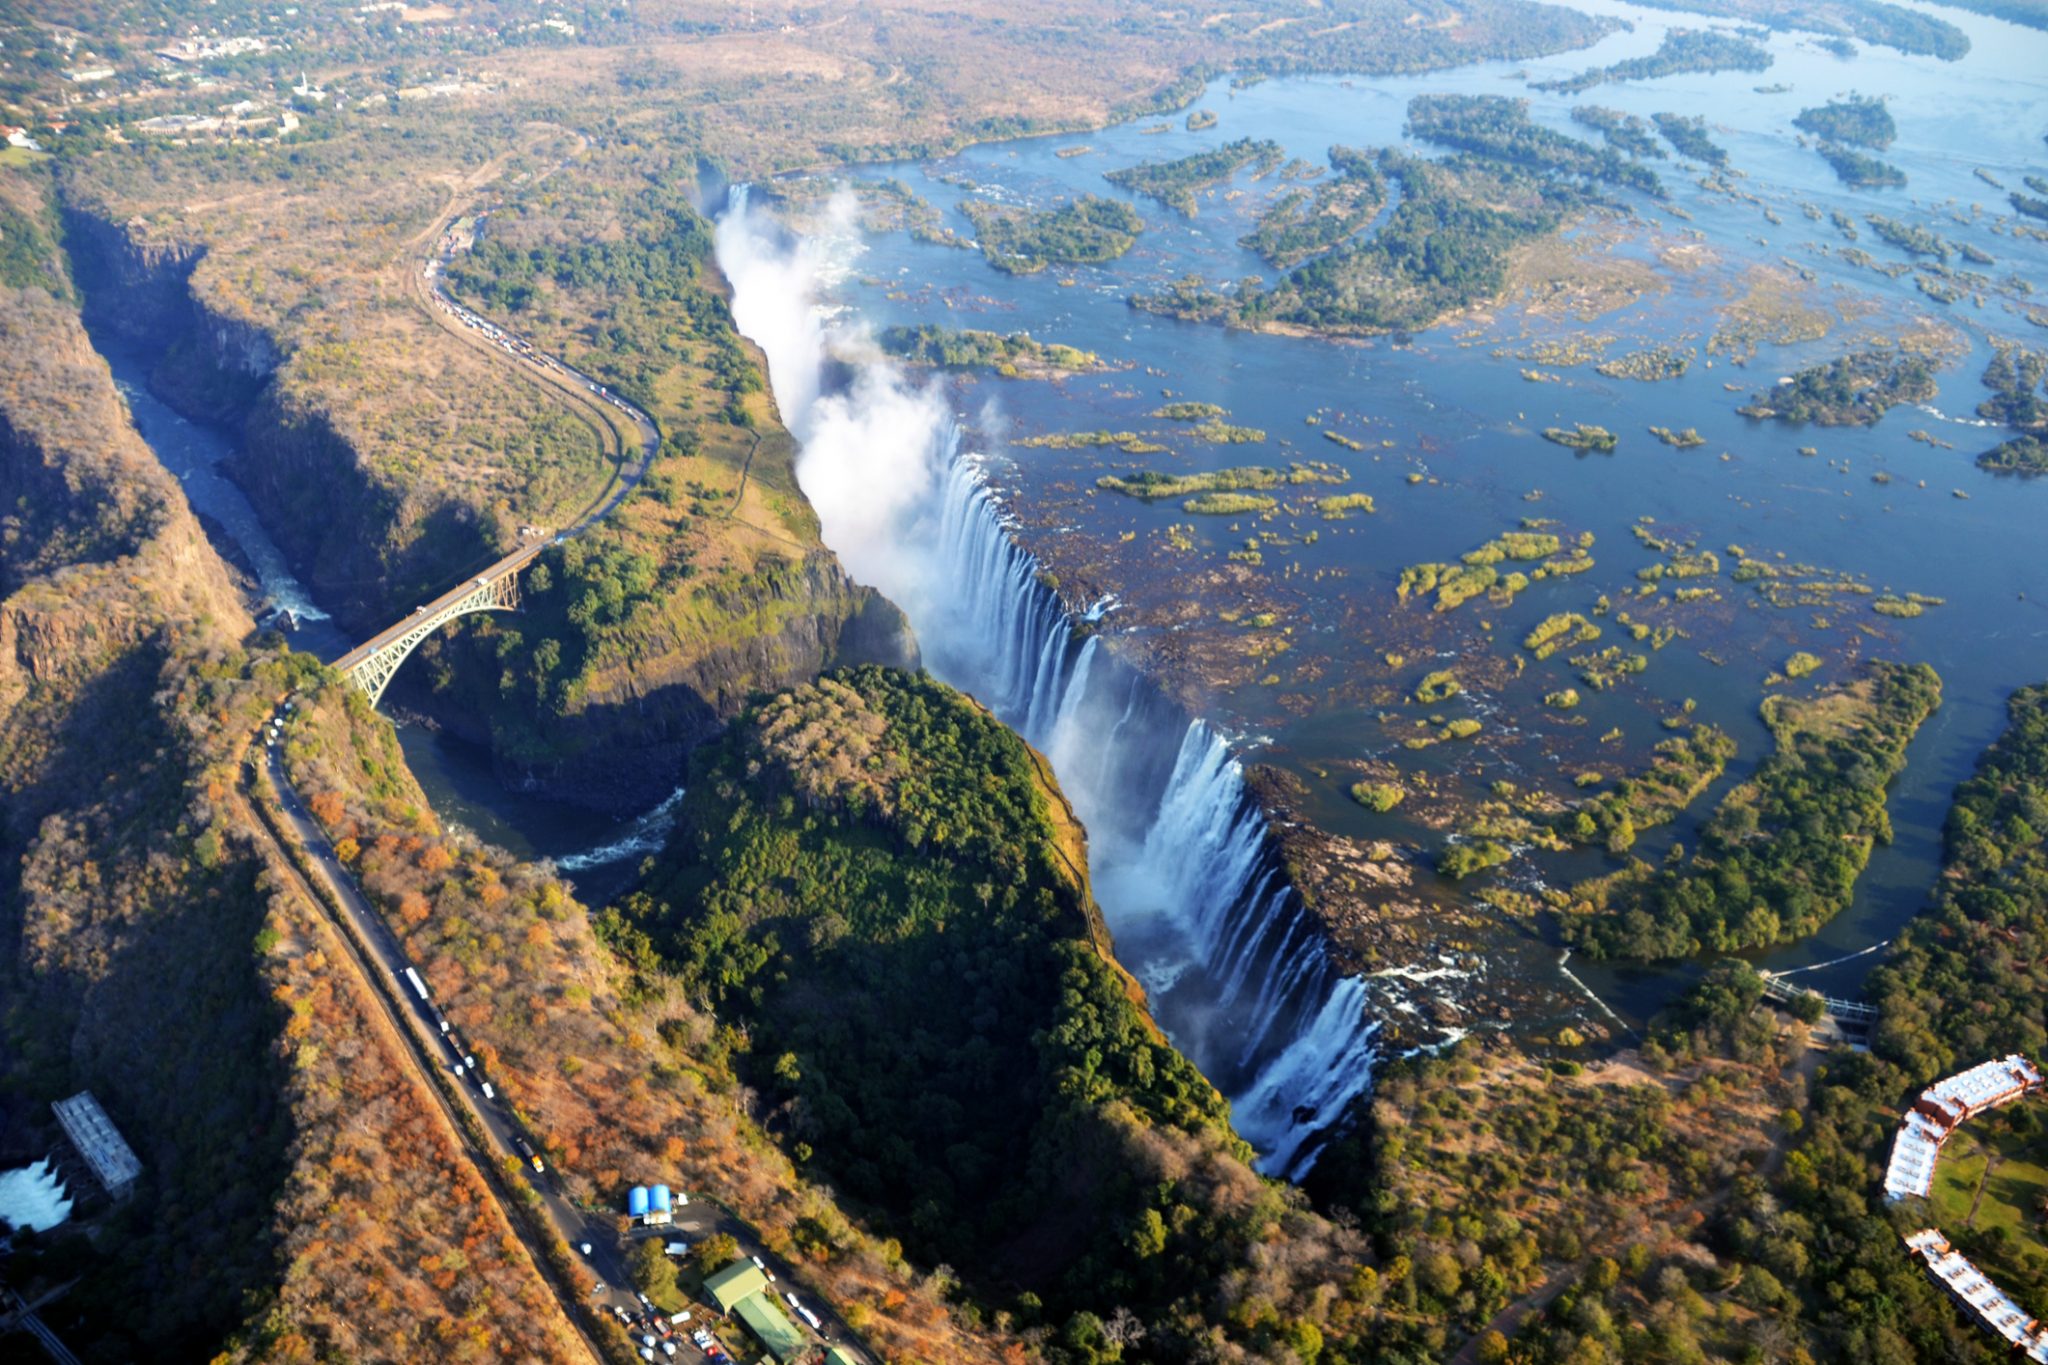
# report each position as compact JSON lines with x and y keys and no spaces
{"x":526,"y":1150}
{"x":418,"y":985}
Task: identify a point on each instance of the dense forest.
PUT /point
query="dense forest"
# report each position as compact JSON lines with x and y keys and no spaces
{"x":1781,"y":855}
{"x":877,"y":888}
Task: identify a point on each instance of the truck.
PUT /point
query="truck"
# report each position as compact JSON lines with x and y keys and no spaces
{"x":526,"y":1150}
{"x":418,"y":985}
{"x":489,"y":1093}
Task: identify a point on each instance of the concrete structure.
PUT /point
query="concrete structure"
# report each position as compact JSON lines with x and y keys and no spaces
{"x":99,"y":1142}
{"x":735,"y":1284}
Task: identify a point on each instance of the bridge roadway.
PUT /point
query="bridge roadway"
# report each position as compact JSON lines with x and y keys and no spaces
{"x":596,"y":404}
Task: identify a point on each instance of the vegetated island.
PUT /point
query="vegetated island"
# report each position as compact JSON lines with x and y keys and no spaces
{"x":1680,"y":771}
{"x":1447,"y":242}
{"x":1150,"y":484}
{"x":1854,"y":390}
{"x":2018,"y":380}
{"x":1687,"y":134}
{"x":1859,"y":120}
{"x":1679,"y":440}
{"x":1624,"y":132}
{"x":1176,"y":183}
{"x":1475,"y":572}
{"x":1781,"y":855}
{"x":1877,"y":22}
{"x":1682,"y":50}
{"x":1014,"y":356}
{"x":1302,"y":223}
{"x":1583,"y":437}
{"x":1859,"y":170}
{"x":2024,"y":455}
{"x":1021,"y":241}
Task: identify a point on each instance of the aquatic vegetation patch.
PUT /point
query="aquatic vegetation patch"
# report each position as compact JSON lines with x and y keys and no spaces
{"x":1680,"y":770}
{"x":2023,"y":455}
{"x":1687,"y":134}
{"x":1679,"y":440}
{"x":1859,"y":120}
{"x":1648,"y":366}
{"x":1228,"y":504}
{"x":1441,"y":685}
{"x":1150,"y":483}
{"x":1583,"y":437}
{"x":1189,"y":412}
{"x":1011,"y":356}
{"x":1562,"y":631}
{"x":1342,"y":505}
{"x":1801,"y":664}
{"x":1130,"y":442}
{"x":1378,"y":796}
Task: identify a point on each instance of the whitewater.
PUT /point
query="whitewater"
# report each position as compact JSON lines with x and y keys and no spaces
{"x":1237,"y":971}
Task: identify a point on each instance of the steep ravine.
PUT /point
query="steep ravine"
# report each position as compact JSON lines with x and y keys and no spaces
{"x":367,"y":554}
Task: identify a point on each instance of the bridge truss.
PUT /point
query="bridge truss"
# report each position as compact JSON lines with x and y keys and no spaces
{"x":371,"y":666}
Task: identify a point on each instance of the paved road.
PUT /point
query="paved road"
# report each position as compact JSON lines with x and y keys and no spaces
{"x":633,"y":448}
{"x":420,"y":1022}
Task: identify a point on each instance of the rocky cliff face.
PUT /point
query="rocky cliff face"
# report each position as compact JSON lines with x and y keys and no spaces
{"x":623,"y":745}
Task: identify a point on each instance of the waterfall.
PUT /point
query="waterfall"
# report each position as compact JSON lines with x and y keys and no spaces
{"x":1236,"y":969}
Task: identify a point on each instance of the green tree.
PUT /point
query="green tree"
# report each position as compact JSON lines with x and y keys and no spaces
{"x":654,"y":1274}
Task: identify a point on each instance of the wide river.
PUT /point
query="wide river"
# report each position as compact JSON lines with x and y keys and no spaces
{"x":1454,"y":407}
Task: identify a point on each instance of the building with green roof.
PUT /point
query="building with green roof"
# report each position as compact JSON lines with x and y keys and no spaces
{"x":737,"y":1282}
{"x":839,"y":1355}
{"x":767,"y":1323}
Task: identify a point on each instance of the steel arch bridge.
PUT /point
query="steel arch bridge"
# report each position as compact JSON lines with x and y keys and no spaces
{"x":370,"y":666}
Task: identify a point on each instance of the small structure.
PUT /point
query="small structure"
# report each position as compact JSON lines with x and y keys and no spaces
{"x":771,"y":1327}
{"x":99,"y":1142}
{"x":839,"y":1355}
{"x":735,"y":1284}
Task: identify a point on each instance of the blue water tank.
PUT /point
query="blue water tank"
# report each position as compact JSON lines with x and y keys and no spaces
{"x":636,"y":1202}
{"x":661,"y":1199}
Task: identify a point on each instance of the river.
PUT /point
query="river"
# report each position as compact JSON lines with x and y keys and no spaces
{"x":1447,"y":429}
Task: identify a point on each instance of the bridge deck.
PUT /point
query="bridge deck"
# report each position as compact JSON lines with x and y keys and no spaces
{"x":511,"y":563}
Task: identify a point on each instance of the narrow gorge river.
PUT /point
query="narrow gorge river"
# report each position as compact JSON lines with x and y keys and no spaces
{"x":596,"y":851}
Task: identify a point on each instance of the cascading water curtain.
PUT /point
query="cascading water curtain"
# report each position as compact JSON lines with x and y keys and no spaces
{"x":1237,"y":971}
